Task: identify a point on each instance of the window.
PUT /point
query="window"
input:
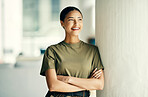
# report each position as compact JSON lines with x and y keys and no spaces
{"x":30,"y":16}
{"x":38,"y":16}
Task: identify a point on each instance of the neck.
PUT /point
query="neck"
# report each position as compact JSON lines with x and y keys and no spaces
{"x":71,"y":39}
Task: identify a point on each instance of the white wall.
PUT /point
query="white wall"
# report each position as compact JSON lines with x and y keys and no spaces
{"x":1,"y":47}
{"x":122,"y":36}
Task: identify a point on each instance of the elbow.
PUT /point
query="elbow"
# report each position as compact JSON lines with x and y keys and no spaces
{"x":52,"y":85}
{"x":51,"y":88}
{"x":101,"y":87}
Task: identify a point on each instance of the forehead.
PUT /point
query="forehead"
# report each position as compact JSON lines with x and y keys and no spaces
{"x":74,"y":13}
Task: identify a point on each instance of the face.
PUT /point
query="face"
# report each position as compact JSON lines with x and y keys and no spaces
{"x":73,"y":23}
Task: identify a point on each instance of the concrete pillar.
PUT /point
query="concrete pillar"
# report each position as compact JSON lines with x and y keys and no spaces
{"x":122,"y":37}
{"x":12,"y":29}
{"x":44,"y":13}
{"x":1,"y":30}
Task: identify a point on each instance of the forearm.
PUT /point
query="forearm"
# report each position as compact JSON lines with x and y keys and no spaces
{"x":60,"y":86}
{"x":88,"y":84}
{"x":96,"y":82}
{"x":56,"y":85}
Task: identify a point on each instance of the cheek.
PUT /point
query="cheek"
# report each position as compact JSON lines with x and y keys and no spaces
{"x":82,"y":25}
{"x":68,"y":25}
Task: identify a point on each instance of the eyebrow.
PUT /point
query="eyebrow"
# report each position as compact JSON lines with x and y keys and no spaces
{"x":70,"y":17}
{"x":73,"y":17}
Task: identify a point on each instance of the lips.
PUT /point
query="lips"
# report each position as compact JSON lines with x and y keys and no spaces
{"x":76,"y":28}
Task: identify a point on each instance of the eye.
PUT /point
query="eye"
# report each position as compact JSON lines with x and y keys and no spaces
{"x":70,"y":20}
{"x":80,"y":19}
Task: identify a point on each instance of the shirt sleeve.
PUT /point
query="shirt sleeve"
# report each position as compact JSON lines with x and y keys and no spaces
{"x":48,"y":61}
{"x":97,"y":62}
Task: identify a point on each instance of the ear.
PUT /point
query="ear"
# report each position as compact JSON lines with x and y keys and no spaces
{"x":62,"y":23}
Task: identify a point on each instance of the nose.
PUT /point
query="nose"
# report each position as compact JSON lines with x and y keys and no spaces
{"x":76,"y":22}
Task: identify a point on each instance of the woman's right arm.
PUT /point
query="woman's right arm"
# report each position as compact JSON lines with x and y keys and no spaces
{"x":56,"y":85}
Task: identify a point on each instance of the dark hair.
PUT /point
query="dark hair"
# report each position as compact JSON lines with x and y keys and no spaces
{"x":66,"y":10}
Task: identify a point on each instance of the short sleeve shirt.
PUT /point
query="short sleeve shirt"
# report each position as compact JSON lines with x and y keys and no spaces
{"x":77,"y":60}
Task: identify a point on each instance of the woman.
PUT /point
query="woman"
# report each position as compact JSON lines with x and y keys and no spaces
{"x":72,"y":67}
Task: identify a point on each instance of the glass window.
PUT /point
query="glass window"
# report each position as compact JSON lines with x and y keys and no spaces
{"x":30,"y":16}
{"x":34,"y":23}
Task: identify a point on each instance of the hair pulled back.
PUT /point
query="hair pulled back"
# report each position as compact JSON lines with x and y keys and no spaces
{"x":66,"y":10}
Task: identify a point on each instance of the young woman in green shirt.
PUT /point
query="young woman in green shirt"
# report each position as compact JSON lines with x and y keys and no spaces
{"x":72,"y":67}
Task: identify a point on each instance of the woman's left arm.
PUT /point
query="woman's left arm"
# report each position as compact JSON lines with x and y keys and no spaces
{"x":86,"y":83}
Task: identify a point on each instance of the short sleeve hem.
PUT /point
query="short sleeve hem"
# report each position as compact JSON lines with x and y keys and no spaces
{"x":48,"y":61}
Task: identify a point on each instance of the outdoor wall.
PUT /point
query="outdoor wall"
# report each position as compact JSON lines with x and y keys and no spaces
{"x":1,"y":45}
{"x":122,"y":37}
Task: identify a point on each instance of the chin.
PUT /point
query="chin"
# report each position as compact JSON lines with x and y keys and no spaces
{"x":75,"y":34}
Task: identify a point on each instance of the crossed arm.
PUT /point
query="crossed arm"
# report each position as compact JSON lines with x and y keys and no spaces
{"x":72,"y":84}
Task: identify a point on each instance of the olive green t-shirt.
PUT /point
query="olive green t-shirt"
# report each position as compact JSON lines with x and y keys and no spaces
{"x":77,"y":60}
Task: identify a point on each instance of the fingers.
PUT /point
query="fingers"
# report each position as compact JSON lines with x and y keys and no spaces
{"x":96,"y":73}
{"x":94,"y":70}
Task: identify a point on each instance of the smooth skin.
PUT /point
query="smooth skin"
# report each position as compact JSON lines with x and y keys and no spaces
{"x":73,"y":24}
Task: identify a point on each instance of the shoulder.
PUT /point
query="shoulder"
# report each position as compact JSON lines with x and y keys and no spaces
{"x":90,"y":46}
{"x":54,"y":46}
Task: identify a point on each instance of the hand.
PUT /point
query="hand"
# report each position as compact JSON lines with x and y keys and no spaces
{"x":63,"y":78}
{"x":96,"y":74}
